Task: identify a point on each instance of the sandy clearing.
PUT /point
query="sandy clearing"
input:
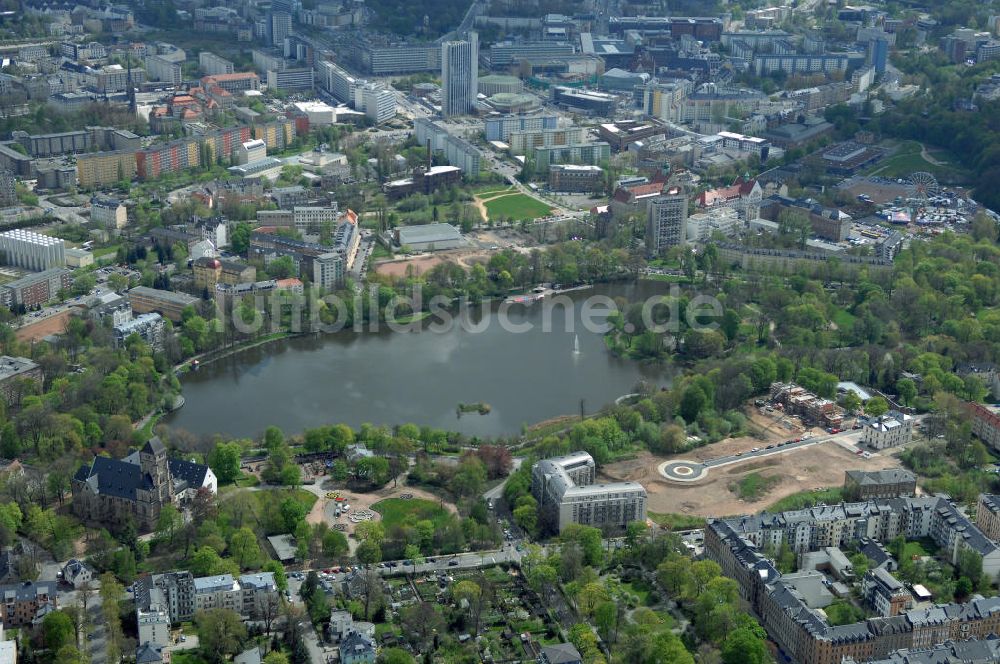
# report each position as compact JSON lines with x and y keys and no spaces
{"x":817,"y":466}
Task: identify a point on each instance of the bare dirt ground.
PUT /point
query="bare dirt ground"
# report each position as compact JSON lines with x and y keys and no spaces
{"x":37,"y":331}
{"x":817,"y":466}
{"x":398,"y":267}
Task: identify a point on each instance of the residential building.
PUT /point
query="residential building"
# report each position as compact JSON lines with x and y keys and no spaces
{"x":154,"y":624}
{"x":985,"y":424}
{"x":77,"y":573}
{"x":588,"y":154}
{"x":382,"y":58}
{"x":23,"y":603}
{"x":988,"y":515}
{"x":860,"y":485}
{"x":890,"y":430}
{"x":799,"y":401}
{"x":35,"y":289}
{"x":162,"y":69}
{"x":356,"y":648}
{"x":633,"y":198}
{"x":884,"y":593}
{"x":108,"y":212}
{"x":182,"y":595}
{"x":378,"y":103}
{"x":102,"y":168}
{"x":168,"y":304}
{"x":136,"y":488}
{"x":500,"y":128}
{"x":213,"y":65}
{"x":149,"y":327}
{"x":14,"y":371}
{"x":561,"y":653}
{"x":566,"y":493}
{"x":792,"y":63}
{"x":32,"y":251}
{"x":573,"y":178}
{"x":459,"y":75}
{"x":291,"y":79}
{"x":666,"y":221}
{"x":8,"y":189}
{"x":337,"y":81}
{"x":524,"y":142}
{"x":803,"y":634}
{"x":211,"y":271}
{"x":788,"y":261}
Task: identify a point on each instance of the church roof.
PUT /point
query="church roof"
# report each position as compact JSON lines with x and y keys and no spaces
{"x":115,"y":477}
{"x":154,"y":445}
{"x":193,"y":474}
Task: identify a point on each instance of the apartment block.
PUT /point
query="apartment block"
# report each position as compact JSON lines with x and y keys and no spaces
{"x":145,"y":300}
{"x":566,"y":493}
{"x":524,"y":142}
{"x":15,"y":369}
{"x":985,"y":424}
{"x":213,"y":65}
{"x":182,"y":595}
{"x":666,"y":221}
{"x":500,"y":129}
{"x":162,"y":69}
{"x":35,"y":289}
{"x":101,"y":168}
{"x":890,"y":430}
{"x":589,"y":154}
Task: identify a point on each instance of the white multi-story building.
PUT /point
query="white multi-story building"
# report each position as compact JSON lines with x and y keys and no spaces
{"x":154,"y":624}
{"x":666,"y":221}
{"x":499,"y":129}
{"x":379,"y":104}
{"x":459,"y":76}
{"x":890,"y":430}
{"x":702,"y":225}
{"x":566,"y":493}
{"x":251,"y":151}
{"x":32,"y":251}
{"x":218,"y":592}
{"x":212,"y":64}
{"x":337,"y":81}
{"x":162,"y":69}
{"x":109,"y":212}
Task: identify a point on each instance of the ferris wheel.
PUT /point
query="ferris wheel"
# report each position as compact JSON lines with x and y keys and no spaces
{"x":923,"y":186}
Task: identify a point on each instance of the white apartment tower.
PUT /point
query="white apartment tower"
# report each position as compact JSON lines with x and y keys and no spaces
{"x":666,"y":222}
{"x":459,"y":75}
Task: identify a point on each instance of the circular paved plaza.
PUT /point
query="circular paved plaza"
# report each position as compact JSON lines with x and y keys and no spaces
{"x":683,"y":471}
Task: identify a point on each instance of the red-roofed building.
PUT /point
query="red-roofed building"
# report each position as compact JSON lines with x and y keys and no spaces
{"x":744,"y":196}
{"x":628,"y":200}
{"x":290,"y":284}
{"x":985,"y":425}
{"x":236,"y":82}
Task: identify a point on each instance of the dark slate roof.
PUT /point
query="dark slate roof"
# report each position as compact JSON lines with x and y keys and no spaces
{"x":185,"y":471}
{"x":562,"y":653}
{"x":154,"y":445}
{"x":114,"y":477}
{"x":148,"y":653}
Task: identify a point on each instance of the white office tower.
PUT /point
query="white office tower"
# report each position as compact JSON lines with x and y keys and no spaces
{"x":459,"y":76}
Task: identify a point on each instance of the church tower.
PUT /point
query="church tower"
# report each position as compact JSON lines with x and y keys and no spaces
{"x":153,"y":462}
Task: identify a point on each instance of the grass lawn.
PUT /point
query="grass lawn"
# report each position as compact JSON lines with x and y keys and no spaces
{"x":843,"y":319}
{"x":804,"y":499}
{"x":493,"y":189}
{"x":517,"y":207}
{"x":672,"y":521}
{"x":640,"y":589}
{"x":754,"y":486}
{"x":908,"y":160}
{"x":398,"y":511}
{"x":104,"y":251}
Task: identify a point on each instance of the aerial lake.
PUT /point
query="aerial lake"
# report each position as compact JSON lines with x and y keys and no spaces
{"x":421,"y":376}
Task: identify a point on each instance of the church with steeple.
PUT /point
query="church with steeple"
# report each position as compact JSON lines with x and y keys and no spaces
{"x":112,"y":491}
